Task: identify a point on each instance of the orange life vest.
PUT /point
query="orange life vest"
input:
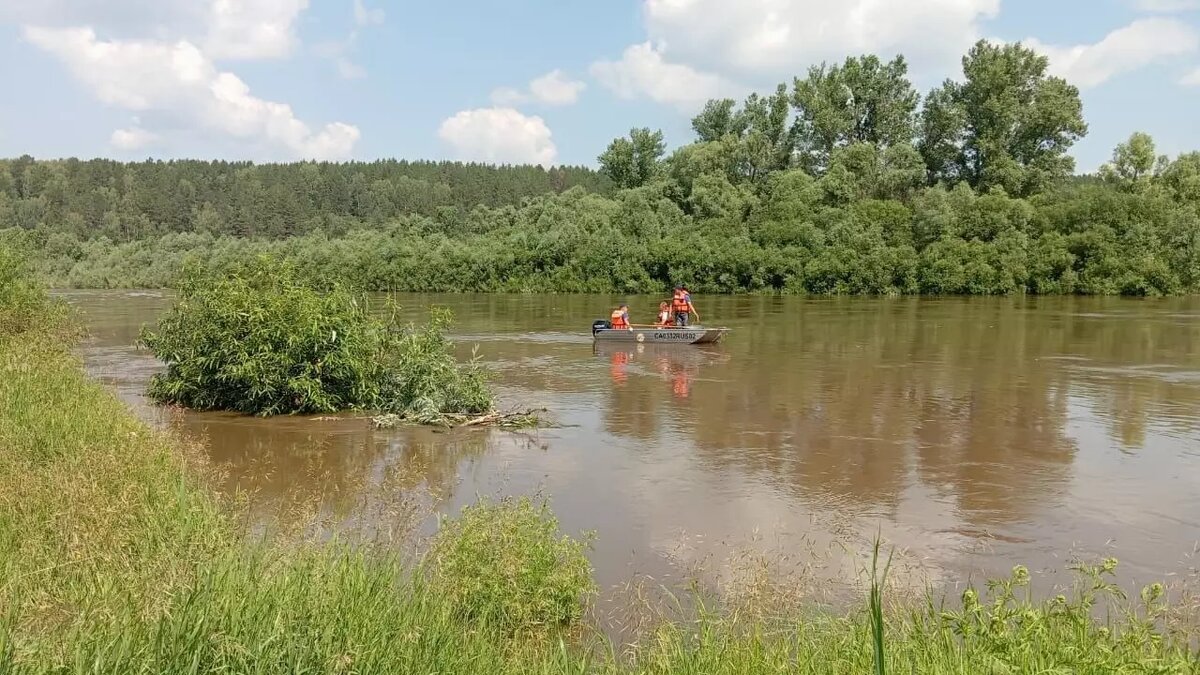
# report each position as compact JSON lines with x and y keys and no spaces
{"x":680,"y":304}
{"x":618,"y":319}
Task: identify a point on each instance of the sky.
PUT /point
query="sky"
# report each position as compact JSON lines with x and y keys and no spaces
{"x":538,"y":81}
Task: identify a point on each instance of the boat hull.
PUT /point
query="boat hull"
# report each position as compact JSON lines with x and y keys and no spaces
{"x":678,"y":336}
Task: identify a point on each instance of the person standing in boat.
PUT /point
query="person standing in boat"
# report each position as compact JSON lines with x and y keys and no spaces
{"x":620,"y":318}
{"x":687,"y":295}
{"x":681,"y":307}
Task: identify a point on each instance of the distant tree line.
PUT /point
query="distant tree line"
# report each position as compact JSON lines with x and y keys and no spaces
{"x":131,"y":201}
{"x":845,"y":181}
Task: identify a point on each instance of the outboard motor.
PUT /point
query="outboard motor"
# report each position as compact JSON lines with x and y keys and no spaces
{"x":599,"y":325}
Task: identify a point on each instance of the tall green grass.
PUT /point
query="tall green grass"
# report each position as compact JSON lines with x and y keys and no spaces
{"x":114,"y":558}
{"x":507,"y":565}
{"x":23,"y":304}
{"x":875,"y":608}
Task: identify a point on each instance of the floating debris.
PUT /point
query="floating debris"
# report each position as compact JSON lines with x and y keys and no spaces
{"x":520,"y":419}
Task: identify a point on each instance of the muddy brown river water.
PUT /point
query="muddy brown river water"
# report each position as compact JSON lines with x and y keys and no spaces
{"x":973,"y":433}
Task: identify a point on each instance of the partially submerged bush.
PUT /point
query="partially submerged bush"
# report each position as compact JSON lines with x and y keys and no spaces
{"x":508,"y":564}
{"x":422,"y":380}
{"x":261,"y":341}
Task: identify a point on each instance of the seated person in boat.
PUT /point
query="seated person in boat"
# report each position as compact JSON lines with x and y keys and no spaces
{"x":664,"y":315}
{"x":620,"y":318}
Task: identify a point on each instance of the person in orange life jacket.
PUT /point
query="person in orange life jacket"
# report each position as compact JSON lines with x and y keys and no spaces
{"x":687,"y":295}
{"x":620,"y":318}
{"x":664,"y":315}
{"x":681,"y":307}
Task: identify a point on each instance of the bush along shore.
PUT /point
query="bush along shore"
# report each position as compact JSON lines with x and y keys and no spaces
{"x":115,"y":558}
{"x":844,"y":181}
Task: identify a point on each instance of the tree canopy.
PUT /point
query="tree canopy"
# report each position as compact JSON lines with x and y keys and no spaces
{"x":844,"y":181}
{"x":863,"y":100}
{"x":634,"y":161}
{"x":1007,"y":124}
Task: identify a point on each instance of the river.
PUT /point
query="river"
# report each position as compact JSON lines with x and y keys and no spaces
{"x":973,"y":434}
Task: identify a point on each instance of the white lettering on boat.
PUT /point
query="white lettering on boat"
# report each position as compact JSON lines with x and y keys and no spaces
{"x":682,"y":335}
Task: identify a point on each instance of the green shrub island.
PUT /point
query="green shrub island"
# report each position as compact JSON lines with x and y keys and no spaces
{"x":261,"y":341}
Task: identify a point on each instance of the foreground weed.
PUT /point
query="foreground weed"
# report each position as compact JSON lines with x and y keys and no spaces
{"x":506,"y":563}
{"x":875,"y":607}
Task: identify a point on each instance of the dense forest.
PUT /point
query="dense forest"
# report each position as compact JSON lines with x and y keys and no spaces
{"x":844,"y":181}
{"x":125,"y":202}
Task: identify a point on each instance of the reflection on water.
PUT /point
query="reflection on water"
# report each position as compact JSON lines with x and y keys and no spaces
{"x":977,"y":433}
{"x":662,"y":374}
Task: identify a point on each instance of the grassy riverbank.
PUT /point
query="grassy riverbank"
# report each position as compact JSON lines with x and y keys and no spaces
{"x":115,"y":558}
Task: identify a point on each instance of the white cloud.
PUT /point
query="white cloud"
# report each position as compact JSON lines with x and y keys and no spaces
{"x":1167,"y":5}
{"x":224,"y":29}
{"x":366,"y":17}
{"x":252,"y":29}
{"x":1141,"y":43}
{"x":1192,"y":79}
{"x":553,"y":88}
{"x":642,"y":71}
{"x":499,"y":135}
{"x":120,"y":18}
{"x":133,"y":138}
{"x":179,"y":81}
{"x":784,"y":36}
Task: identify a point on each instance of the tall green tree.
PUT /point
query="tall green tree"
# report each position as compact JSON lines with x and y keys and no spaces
{"x":1007,"y":124}
{"x":1182,"y":177}
{"x":863,"y":100}
{"x":1133,"y":163}
{"x":719,"y":118}
{"x":769,"y":141}
{"x":759,"y":134}
{"x":943,"y":126}
{"x":689,"y":163}
{"x":632,"y":162}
